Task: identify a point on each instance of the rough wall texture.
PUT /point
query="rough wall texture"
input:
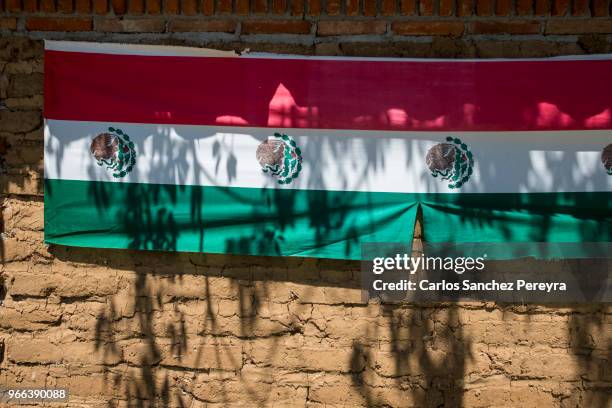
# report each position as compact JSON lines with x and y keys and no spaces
{"x":161,"y":329}
{"x":417,"y":28}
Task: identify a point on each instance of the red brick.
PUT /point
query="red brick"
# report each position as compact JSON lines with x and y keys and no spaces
{"x":426,"y":7}
{"x":13,"y":6}
{"x":505,"y":27}
{"x":58,"y":24}
{"x":191,"y":25}
{"x":446,"y":8}
{"x":242,"y":7}
{"x":131,"y":25}
{"x":524,"y":7}
{"x":119,"y":6}
{"x":503,"y":7}
{"x":601,"y":8}
{"x":579,"y":27}
{"x":464,"y":7}
{"x":408,"y":7}
{"x":352,"y":7}
{"x":8,"y":23}
{"x":333,"y":7}
{"x":297,"y":7}
{"x":30,"y":6}
{"x":171,"y":6}
{"x":314,"y":7}
{"x":65,"y":6}
{"x":225,"y":6}
{"x":260,"y":6}
{"x":208,"y":7}
{"x":484,"y":7}
{"x":47,"y":6}
{"x":369,"y":8}
{"x":100,"y":6}
{"x":387,"y":7}
{"x":82,"y":6}
{"x":560,"y":7}
{"x":580,"y":7}
{"x":153,"y":6}
{"x":427,"y":27}
{"x":136,"y":6}
{"x":351,"y":27}
{"x":542,"y":7}
{"x":189,"y":7}
{"x":276,"y":27}
{"x":279,"y":6}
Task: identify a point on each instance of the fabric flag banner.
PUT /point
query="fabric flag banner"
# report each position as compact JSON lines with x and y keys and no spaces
{"x":180,"y":149}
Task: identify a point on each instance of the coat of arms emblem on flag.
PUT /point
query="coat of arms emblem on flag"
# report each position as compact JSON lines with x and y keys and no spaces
{"x":280,"y":156}
{"x":115,"y":151}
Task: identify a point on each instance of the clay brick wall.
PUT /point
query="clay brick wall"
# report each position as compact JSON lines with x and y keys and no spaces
{"x":416,"y":28}
{"x":128,"y":328}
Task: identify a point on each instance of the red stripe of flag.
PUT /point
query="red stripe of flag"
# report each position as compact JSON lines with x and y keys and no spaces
{"x":330,"y":94}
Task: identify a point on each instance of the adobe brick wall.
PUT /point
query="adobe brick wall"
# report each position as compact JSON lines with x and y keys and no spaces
{"x":162,"y":329}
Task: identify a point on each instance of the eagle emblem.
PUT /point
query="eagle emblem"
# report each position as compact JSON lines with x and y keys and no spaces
{"x":451,"y":161}
{"x":280,"y":157}
{"x":115,"y":151}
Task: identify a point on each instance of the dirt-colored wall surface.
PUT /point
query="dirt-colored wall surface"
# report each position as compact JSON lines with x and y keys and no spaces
{"x":135,"y":328}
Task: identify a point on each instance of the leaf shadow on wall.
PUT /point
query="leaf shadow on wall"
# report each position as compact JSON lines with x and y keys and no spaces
{"x":426,"y":350}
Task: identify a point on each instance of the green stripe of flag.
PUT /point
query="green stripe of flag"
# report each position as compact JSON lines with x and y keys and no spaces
{"x":317,"y":223}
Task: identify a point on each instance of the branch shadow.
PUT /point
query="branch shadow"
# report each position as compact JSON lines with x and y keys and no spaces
{"x":145,"y":215}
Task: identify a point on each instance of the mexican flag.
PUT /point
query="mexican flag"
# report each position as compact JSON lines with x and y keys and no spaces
{"x":180,"y":149}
